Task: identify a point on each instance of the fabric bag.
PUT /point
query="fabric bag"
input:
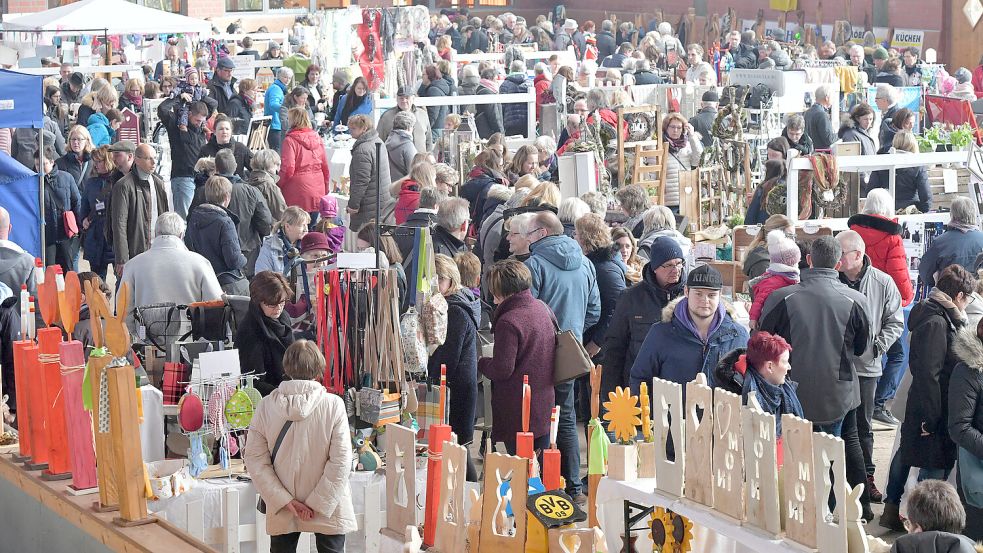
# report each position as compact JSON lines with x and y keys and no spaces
{"x":428,"y":407}
{"x":68,"y":221}
{"x":414,"y":350}
{"x":433,"y":313}
{"x":571,"y":360}
{"x":971,"y":477}
{"x":261,"y":505}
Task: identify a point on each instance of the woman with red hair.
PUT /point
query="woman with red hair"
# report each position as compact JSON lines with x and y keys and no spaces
{"x":762,"y":368}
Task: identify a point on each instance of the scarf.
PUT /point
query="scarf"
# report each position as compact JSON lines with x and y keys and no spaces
{"x":780,"y":269}
{"x":136,"y":100}
{"x":247,"y":101}
{"x":676,"y":144}
{"x":963,"y":227}
{"x":776,"y":400}
{"x":489,"y":84}
{"x":945,"y":301}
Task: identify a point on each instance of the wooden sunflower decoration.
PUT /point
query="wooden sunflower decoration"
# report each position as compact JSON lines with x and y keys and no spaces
{"x":622,"y":414}
{"x":670,"y":532}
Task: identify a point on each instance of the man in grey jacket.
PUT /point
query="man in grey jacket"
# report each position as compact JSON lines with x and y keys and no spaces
{"x":422,"y":136}
{"x":825,"y":323}
{"x":883,"y":308}
{"x":818,"y":124}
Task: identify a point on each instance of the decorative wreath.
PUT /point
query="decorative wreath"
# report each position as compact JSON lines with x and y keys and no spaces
{"x":641,"y":126}
{"x":670,"y":532}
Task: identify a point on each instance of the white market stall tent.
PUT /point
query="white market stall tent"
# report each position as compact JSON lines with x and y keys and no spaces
{"x":113,"y":17}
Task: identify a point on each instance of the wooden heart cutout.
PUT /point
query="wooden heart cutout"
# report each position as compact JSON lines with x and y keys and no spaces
{"x":717,"y":414}
{"x":48,"y":297}
{"x":95,"y":315}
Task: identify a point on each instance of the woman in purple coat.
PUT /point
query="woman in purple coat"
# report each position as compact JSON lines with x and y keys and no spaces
{"x":525,"y":344}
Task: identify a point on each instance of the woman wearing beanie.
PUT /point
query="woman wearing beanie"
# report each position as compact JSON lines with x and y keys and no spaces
{"x":329,"y":223}
{"x":783,"y":270}
{"x":964,"y":87}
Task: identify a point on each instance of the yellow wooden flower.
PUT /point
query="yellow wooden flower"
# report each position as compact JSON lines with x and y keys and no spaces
{"x":670,"y":532}
{"x":622,"y":414}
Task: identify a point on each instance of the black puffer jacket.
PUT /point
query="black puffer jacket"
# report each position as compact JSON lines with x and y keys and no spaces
{"x":78,"y":169}
{"x":475,"y":191}
{"x":610,"y":271}
{"x":638,"y":308}
{"x":261,"y":342}
{"x":60,"y":195}
{"x":745,"y":57}
{"x":966,"y":393}
{"x":186,"y":145}
{"x":932,"y":358}
{"x":240,"y":110}
{"x":436,"y":89}
{"x":212,"y":233}
{"x":459,"y":353}
{"x":488,"y":117}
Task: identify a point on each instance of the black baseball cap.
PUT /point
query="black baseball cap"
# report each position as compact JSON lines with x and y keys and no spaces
{"x":705,"y":276}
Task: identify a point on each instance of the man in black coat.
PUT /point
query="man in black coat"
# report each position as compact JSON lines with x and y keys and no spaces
{"x":488,"y":117}
{"x":606,"y":44}
{"x":746,"y":54}
{"x":886,"y":99}
{"x":339,"y":81}
{"x":818,"y":124}
{"x":186,"y":145}
{"x":222,"y":85}
{"x":212,"y":233}
{"x":644,"y":74}
{"x":703,"y":120}
{"x":452,"y":227}
{"x":663,"y":280}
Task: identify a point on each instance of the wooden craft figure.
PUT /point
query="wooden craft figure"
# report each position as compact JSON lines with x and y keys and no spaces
{"x":577,"y":540}
{"x":59,"y":464}
{"x":596,"y":448}
{"x":498,"y":535}
{"x":451,"y":529}
{"x":400,"y":478}
{"x":21,"y":386}
{"x":623,"y":419}
{"x":524,"y":439}
{"x":77,"y":420}
{"x":646,"y":447}
{"x":99,"y":359}
{"x":799,"y":486}
{"x":855,"y":535}
{"x":668,"y":399}
{"x":551,"y":456}
{"x":728,"y":455}
{"x":438,"y":434}
{"x":699,"y":441}
{"x":829,"y":461}
{"x":413,"y":542}
{"x":473,"y":522}
{"x":761,"y":464}
{"x":37,"y":413}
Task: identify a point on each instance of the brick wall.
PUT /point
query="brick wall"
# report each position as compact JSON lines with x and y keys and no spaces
{"x":26,"y":6}
{"x":204,"y":8}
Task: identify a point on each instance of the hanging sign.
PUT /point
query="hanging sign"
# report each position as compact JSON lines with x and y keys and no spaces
{"x":907,"y":38}
{"x":129,"y":129}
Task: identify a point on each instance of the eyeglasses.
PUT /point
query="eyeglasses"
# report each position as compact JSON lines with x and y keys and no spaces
{"x":275,"y":305}
{"x":77,"y":139}
{"x":533,"y":230}
{"x":671,"y":265}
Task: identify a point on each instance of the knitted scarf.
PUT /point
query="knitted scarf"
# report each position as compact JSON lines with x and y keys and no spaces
{"x":676,"y":144}
{"x":776,"y":400}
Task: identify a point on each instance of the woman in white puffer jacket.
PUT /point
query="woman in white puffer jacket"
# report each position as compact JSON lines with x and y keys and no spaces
{"x":685,"y":149}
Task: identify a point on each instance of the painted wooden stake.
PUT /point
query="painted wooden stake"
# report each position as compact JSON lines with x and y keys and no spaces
{"x":22,"y":388}
{"x":438,"y":434}
{"x":400,"y":479}
{"x":105,"y":458}
{"x":78,"y":421}
{"x":799,"y":475}
{"x":497,"y":532}
{"x":451,"y":528}
{"x":551,"y":456}
{"x":524,"y":440}
{"x":593,"y":480}
{"x":125,"y":432}
{"x":36,"y":405}
{"x":699,"y":441}
{"x":59,"y":463}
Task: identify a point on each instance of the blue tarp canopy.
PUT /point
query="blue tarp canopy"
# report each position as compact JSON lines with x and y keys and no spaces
{"x":20,"y":100}
{"x":20,"y":107}
{"x":19,"y":196}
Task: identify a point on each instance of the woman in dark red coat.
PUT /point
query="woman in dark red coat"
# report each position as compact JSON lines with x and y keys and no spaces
{"x":525,"y":344}
{"x":882,"y":236}
{"x":304,"y":172}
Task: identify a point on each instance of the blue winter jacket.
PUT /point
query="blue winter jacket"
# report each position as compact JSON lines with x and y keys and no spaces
{"x":364,"y":109}
{"x":565,"y":279}
{"x":100,"y":130}
{"x":953,"y":247}
{"x":273,"y":101}
{"x":673,"y":350}
{"x":96,"y":193}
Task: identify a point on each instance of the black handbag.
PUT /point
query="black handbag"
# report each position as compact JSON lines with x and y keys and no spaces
{"x":261,"y":505}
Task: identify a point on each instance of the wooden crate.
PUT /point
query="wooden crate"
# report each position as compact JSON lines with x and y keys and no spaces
{"x":942,"y":200}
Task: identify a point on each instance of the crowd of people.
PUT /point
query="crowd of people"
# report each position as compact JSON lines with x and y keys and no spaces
{"x":516,"y":259}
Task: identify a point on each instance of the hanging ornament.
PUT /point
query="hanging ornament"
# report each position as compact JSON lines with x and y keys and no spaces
{"x":973,"y":10}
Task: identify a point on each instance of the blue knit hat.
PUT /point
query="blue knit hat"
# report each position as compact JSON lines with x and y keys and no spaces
{"x":664,"y":249}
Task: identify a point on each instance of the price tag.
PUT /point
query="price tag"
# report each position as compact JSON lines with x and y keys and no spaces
{"x":950,"y":181}
{"x":554,"y":508}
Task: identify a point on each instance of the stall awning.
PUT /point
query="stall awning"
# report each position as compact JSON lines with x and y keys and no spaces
{"x":117,"y":17}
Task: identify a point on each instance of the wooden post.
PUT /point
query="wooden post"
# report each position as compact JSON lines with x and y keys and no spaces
{"x":108,"y":487}
{"x":551,"y":456}
{"x":438,"y":434}
{"x":22,"y":386}
{"x":38,"y":415}
{"x":451,"y":530}
{"x":524,"y":440}
{"x":59,"y":466}
{"x":125,"y":436}
{"x":78,"y":421}
{"x":593,"y":480}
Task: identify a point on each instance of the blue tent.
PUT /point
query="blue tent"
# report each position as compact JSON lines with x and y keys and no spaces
{"x":20,"y":194}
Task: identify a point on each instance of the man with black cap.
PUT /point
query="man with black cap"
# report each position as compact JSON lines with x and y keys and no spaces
{"x":222,"y":85}
{"x":703,"y":120}
{"x":694,"y":333}
{"x":71,"y":89}
{"x":638,"y":308}
{"x":422,"y":137}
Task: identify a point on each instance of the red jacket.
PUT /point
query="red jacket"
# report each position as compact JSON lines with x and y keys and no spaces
{"x":408,"y":201}
{"x":763,"y":288}
{"x":882,"y":237}
{"x":542,"y":85}
{"x":304,"y":172}
{"x":978,"y":81}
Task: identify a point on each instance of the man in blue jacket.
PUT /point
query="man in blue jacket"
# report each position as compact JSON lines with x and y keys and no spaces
{"x":565,"y":280}
{"x":695,"y":332}
{"x":273,"y":101}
